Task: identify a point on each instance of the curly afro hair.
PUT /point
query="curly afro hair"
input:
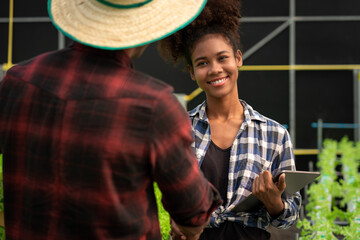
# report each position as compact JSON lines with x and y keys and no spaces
{"x":218,"y":17}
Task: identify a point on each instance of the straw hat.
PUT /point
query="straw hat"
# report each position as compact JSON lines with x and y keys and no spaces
{"x":119,"y":24}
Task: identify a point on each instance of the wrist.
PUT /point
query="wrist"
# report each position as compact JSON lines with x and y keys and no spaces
{"x":190,"y":231}
{"x":275,"y":208}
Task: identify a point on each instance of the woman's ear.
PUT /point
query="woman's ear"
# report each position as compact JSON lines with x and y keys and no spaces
{"x":191,"y":71}
{"x":238,"y":57}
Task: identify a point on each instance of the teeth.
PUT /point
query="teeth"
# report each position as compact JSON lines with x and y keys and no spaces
{"x":218,"y":81}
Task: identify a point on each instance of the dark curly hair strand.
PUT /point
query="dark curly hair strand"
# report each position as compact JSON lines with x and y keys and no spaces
{"x":218,"y":17}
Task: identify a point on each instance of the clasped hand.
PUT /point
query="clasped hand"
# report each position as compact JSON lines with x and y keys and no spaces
{"x":178,"y":232}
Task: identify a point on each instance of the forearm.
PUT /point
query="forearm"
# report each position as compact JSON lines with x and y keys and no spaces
{"x":275,"y":208}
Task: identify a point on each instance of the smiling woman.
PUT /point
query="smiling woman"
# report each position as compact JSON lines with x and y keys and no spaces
{"x":237,"y":148}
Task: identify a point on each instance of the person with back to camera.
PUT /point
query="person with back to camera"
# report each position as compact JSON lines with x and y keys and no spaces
{"x":84,"y":136}
{"x":238,"y":149}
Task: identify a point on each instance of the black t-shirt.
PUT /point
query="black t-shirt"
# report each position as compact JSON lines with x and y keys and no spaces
{"x":215,"y":167}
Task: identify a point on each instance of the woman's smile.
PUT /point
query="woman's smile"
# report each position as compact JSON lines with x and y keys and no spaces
{"x":218,"y":81}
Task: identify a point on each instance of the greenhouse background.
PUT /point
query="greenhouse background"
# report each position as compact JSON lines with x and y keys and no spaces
{"x":301,"y":68}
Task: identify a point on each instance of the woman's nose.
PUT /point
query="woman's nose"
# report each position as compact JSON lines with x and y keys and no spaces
{"x":215,"y":68}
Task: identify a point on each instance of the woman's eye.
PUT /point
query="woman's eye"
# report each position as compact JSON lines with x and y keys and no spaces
{"x":223,"y":58}
{"x":201,"y":64}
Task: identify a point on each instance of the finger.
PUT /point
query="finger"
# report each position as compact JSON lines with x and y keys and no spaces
{"x":281,"y":183}
{"x":175,"y":229}
{"x":261,"y":182}
{"x":255,"y":184}
{"x":267,"y":179}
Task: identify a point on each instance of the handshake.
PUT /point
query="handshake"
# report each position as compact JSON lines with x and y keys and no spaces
{"x":179,"y":232}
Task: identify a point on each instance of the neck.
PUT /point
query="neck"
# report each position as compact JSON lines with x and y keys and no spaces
{"x":224,"y":109}
{"x":136,"y":51}
{"x":130,"y":52}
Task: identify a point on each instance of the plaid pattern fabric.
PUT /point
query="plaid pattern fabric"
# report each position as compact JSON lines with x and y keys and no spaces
{"x":83,"y":138}
{"x":261,"y":144}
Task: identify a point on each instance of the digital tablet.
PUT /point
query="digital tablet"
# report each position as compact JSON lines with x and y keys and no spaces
{"x":295,"y":181}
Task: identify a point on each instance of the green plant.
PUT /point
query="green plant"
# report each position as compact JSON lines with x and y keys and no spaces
{"x":320,"y":197}
{"x":351,"y":183}
{"x":322,"y":210}
{"x":164,"y":218}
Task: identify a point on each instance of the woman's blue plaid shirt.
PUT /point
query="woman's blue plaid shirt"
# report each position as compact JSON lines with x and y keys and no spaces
{"x":261,"y":144}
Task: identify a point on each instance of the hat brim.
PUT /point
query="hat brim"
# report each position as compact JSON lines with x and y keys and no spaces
{"x":98,"y":25}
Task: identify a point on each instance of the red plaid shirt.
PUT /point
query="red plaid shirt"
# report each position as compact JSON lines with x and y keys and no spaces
{"x":83,"y":137}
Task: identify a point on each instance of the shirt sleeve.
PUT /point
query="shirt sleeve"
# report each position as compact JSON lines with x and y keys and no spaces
{"x":187,"y":195}
{"x":291,"y":212}
{"x":3,"y":91}
{"x":286,"y":161}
